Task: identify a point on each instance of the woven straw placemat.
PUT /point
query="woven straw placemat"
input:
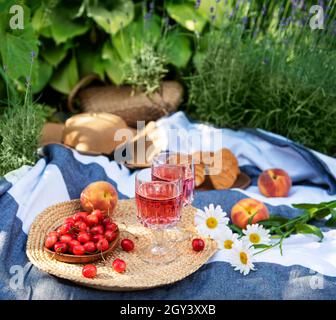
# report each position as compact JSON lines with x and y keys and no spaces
{"x":139,"y":274}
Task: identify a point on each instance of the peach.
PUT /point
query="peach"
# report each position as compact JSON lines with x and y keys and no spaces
{"x":244,"y":209}
{"x":99,"y":195}
{"x":274,"y":183}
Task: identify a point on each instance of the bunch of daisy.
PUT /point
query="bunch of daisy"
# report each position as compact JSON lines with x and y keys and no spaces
{"x":213,"y":222}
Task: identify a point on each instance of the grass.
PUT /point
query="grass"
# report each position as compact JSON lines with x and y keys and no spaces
{"x":282,"y":80}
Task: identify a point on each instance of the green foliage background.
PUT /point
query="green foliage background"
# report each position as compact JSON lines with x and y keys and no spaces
{"x":244,"y":63}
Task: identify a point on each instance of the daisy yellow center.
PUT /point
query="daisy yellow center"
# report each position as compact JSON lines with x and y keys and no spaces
{"x":254,"y":238}
{"x":228,"y":244}
{"x":243,"y":257}
{"x":211,"y":222}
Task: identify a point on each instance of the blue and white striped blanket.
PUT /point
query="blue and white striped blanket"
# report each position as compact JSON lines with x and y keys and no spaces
{"x":307,"y":270}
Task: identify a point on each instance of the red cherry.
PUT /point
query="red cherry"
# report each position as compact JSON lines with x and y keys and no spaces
{"x":102,"y":245}
{"x":97,"y":229}
{"x":110,"y":235}
{"x":127,"y":245}
{"x":198,"y":244}
{"x":98,"y":214}
{"x":64,"y":229}
{"x":80,"y":225}
{"x":66,"y":238}
{"x":50,"y":241}
{"x":89,"y":271}
{"x":92,"y":220}
{"x":78,"y":250}
{"x":60,"y":247}
{"x":112,"y":226}
{"x":119,"y":265}
{"x":97,"y":237}
{"x":73,"y":243}
{"x":53,"y":233}
{"x":80,"y":216}
{"x":83,"y":237}
{"x":106,"y":221}
{"x":90,"y":247}
{"x":70,"y":220}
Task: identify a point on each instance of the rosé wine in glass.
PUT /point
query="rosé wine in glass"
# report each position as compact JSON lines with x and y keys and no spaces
{"x":168,"y":172}
{"x":158,"y":204}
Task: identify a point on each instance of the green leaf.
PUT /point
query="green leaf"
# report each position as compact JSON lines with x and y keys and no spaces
{"x":54,"y":55}
{"x":322,"y":213}
{"x":89,"y":60}
{"x":16,"y":45}
{"x":307,"y":206}
{"x":66,"y":77}
{"x":185,"y":14}
{"x":274,"y":221}
{"x":261,"y":246}
{"x":116,"y":15}
{"x":42,"y":73}
{"x":41,"y":19}
{"x":332,"y":221}
{"x":309,"y":229}
{"x":131,"y":39}
{"x":63,"y":27}
{"x":235,"y":229}
{"x":112,"y":63}
{"x":304,"y":206}
{"x":176,"y":49}
{"x":249,"y":221}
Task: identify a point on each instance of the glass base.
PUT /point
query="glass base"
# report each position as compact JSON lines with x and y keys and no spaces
{"x":158,"y":255}
{"x":178,"y":234}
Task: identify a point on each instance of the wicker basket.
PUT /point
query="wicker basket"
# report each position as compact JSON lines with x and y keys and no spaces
{"x":123,"y":101}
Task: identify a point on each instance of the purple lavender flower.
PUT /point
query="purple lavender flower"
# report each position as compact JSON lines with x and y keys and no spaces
{"x":33,"y":54}
{"x":148,"y":16}
{"x":198,"y":3}
{"x":231,"y":14}
{"x":151,"y":7}
{"x":213,"y":17}
{"x":212,"y":9}
{"x":244,"y":20}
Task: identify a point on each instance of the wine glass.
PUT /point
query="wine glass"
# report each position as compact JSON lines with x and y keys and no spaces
{"x":170,"y":166}
{"x":159,"y":205}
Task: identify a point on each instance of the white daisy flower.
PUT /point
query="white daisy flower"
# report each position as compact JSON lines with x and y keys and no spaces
{"x":242,"y":257}
{"x":256,"y":234}
{"x":211,"y":222}
{"x":227,"y":239}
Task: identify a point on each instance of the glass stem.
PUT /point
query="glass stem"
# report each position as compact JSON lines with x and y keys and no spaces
{"x":158,"y":239}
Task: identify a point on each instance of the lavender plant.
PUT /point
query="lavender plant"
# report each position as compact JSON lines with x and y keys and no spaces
{"x":21,"y":124}
{"x":281,"y":80}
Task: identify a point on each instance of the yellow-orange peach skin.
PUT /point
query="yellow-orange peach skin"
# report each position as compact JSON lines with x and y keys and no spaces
{"x":274,"y":183}
{"x":243,"y":210}
{"x":99,"y":195}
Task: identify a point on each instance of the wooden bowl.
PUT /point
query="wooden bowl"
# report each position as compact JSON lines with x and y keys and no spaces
{"x":87,"y":258}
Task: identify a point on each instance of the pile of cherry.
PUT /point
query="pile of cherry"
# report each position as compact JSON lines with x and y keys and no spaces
{"x":82,"y":234}
{"x":85,"y":234}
